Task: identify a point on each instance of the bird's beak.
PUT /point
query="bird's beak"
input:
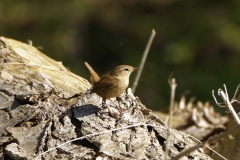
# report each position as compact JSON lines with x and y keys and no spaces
{"x":135,"y":68}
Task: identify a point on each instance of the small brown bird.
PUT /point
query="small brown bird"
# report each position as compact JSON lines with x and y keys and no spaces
{"x":112,"y":84}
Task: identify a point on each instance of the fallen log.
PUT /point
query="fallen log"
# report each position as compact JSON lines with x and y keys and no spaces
{"x":43,"y":105}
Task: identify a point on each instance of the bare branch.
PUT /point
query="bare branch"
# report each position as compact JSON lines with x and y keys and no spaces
{"x":173,"y":86}
{"x":227,"y":102}
{"x":235,"y":94}
{"x":210,"y":141}
{"x":144,"y":57}
{"x":215,"y":99}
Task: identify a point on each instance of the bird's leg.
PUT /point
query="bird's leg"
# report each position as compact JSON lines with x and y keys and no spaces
{"x":117,"y":106}
{"x":104,"y":103}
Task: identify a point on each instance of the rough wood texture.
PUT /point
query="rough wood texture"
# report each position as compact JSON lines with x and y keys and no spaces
{"x":44,"y":105}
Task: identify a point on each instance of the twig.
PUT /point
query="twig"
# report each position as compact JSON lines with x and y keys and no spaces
{"x":173,"y":86}
{"x":205,"y":145}
{"x":30,"y":42}
{"x":94,"y":134}
{"x":209,"y":141}
{"x":144,"y":57}
{"x":187,"y":151}
{"x":215,"y":99}
{"x":225,"y":98}
{"x":227,"y":102}
{"x":109,"y":131}
{"x":235,"y":94}
{"x":90,"y":135}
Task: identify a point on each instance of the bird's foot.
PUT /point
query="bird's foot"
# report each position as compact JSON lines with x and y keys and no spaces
{"x":112,"y":113}
{"x":120,"y":109}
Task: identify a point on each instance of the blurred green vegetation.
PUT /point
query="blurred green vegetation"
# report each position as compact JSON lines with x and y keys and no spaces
{"x":197,"y":40}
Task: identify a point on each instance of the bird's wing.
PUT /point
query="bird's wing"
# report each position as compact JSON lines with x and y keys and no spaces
{"x":105,"y":83}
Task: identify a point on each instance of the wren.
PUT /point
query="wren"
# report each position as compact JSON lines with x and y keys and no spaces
{"x":112,"y":84}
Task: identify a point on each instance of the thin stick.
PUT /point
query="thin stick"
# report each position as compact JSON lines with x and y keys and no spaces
{"x":173,"y":86}
{"x":227,"y":102}
{"x":215,"y":99}
{"x":201,"y":142}
{"x":84,"y":137}
{"x":185,"y":152}
{"x":109,"y":131}
{"x":30,"y":42}
{"x":235,"y":94}
{"x":144,"y":57}
{"x":210,"y":141}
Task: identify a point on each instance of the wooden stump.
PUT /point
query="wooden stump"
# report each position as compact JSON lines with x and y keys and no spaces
{"x":44,"y":105}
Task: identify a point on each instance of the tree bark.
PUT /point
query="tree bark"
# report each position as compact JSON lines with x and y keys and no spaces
{"x":43,"y":105}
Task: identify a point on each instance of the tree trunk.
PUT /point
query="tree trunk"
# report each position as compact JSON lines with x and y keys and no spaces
{"x":44,"y":105}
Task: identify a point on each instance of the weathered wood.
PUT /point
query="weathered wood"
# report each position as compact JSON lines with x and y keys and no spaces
{"x":43,"y":105}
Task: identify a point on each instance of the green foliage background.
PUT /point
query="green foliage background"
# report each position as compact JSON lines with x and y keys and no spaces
{"x":197,"y":40}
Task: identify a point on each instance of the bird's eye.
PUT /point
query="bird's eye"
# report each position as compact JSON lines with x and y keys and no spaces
{"x":126,"y":69}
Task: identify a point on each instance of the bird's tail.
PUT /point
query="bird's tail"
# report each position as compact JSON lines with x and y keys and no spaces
{"x":94,"y":76}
